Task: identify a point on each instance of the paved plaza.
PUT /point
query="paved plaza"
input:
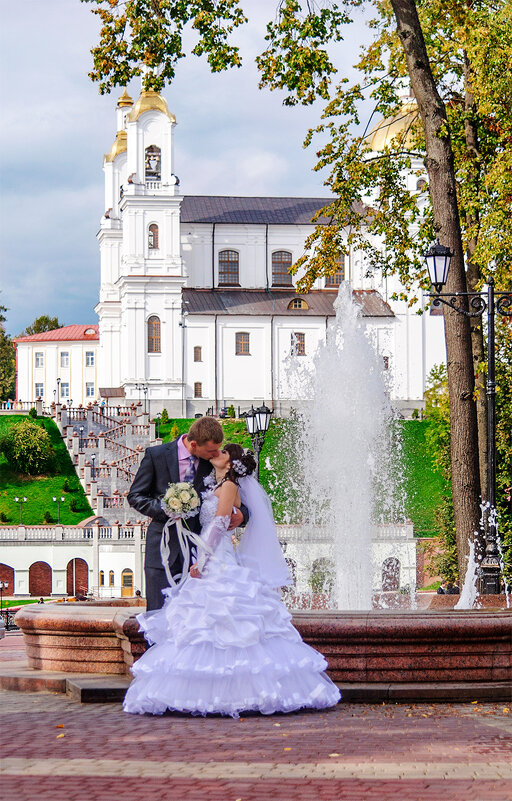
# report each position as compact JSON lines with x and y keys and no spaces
{"x":54,"y":749}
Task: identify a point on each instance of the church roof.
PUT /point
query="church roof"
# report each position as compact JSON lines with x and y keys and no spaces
{"x":253,"y":210}
{"x":67,"y":333}
{"x":253,"y":302}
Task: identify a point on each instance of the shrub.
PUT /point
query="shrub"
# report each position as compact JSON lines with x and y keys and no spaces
{"x":165,"y":417}
{"x":65,"y":486}
{"x":48,"y":517}
{"x":175,"y":432}
{"x":231,"y":411}
{"x":28,"y":448}
{"x":3,"y":518}
{"x":73,"y":505}
{"x":32,"y":413}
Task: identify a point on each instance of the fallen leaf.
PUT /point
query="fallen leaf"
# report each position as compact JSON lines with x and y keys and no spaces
{"x":506,"y":709}
{"x":59,"y":726}
{"x":333,"y":755}
{"x":60,"y":735}
{"x":277,"y":724}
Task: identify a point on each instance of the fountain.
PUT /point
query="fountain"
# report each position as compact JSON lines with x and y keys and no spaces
{"x":340,"y":484}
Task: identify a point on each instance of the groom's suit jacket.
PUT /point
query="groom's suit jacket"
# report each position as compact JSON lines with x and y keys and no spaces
{"x":157,"y":470}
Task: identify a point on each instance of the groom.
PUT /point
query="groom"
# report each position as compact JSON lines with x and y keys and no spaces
{"x":184,"y":459}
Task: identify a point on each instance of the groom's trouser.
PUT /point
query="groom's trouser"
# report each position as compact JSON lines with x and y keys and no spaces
{"x":156,"y":581}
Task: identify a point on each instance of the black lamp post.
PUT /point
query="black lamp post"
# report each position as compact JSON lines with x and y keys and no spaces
{"x":58,"y":390}
{"x":143,"y":388}
{"x":93,"y":468}
{"x":437,"y":260}
{"x":257,"y":422}
{"x":58,"y":501}
{"x":81,"y":440}
{"x":4,"y":585}
{"x":21,"y":501}
{"x":158,"y":417}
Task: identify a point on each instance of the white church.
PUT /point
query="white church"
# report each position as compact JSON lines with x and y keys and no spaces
{"x":197,"y":308}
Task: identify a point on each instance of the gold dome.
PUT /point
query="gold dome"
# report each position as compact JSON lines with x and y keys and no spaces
{"x":386,"y":130}
{"x":118,"y":147}
{"x":124,"y":100}
{"x":150,"y":101}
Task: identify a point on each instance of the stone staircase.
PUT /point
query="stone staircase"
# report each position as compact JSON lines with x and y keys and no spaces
{"x":106,"y":446}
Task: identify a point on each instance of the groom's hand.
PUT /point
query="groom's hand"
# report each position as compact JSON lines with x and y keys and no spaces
{"x":237,"y":519}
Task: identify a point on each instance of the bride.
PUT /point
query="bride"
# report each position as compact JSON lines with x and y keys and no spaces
{"x":223,"y":642}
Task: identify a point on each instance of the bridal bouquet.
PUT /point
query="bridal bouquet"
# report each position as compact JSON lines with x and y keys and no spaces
{"x":180,"y":501}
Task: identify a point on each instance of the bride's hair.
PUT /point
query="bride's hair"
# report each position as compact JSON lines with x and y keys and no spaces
{"x":242,"y":462}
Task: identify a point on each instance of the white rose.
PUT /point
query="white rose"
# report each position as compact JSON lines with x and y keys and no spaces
{"x":194,"y":503}
{"x":175,"y":504}
{"x":182,"y":485}
{"x":185,"y":496}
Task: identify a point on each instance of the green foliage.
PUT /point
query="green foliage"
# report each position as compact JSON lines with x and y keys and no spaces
{"x":145,"y":37}
{"x":165,"y":417}
{"x":7,"y":362}
{"x":175,"y":432}
{"x":40,"y":325}
{"x":28,"y":448}
{"x":32,"y":413}
{"x":231,"y":411}
{"x":443,"y":556}
{"x":73,"y":505}
{"x":3,"y":517}
{"x":48,"y":517}
{"x":65,"y":486}
{"x":39,"y":490}
{"x":504,"y":437}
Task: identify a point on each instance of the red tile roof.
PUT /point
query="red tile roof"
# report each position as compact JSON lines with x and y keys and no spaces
{"x":66,"y":334}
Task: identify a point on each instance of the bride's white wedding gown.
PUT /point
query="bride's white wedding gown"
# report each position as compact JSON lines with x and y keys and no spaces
{"x":224,"y":643}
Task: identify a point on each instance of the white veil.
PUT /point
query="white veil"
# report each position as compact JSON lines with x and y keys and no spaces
{"x":259,"y":548}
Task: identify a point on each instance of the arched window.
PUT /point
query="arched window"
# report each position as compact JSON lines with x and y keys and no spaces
{"x":154,"y":341}
{"x":126,"y":582}
{"x":391,"y":574}
{"x":228,"y":268}
{"x":198,"y":353}
{"x":281,"y":263}
{"x":110,"y":578}
{"x":102,"y":578}
{"x":242,"y":344}
{"x":298,"y":303}
{"x":336,"y":278}
{"x":152,"y":163}
{"x":153,"y":237}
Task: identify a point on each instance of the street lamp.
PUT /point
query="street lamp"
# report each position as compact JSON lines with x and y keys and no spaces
{"x":93,"y":468}
{"x":58,"y":390}
{"x":58,"y":501}
{"x":158,"y":417}
{"x":81,"y":440}
{"x":4,"y":585}
{"x":143,"y":388}
{"x":21,"y":501}
{"x":437,"y":260}
{"x":257,"y":422}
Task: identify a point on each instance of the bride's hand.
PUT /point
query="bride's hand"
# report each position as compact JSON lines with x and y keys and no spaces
{"x":194,"y":572}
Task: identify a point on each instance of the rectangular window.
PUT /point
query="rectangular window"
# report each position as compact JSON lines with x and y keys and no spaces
{"x":39,"y":359}
{"x":197,"y":354}
{"x":64,"y":359}
{"x":339,"y":276}
{"x":298,"y":343}
{"x":89,"y":358}
{"x":89,"y":389}
{"x":64,"y":390}
{"x":385,"y":359}
{"x":39,"y":391}
{"x":242,"y":344}
{"x":198,"y":389}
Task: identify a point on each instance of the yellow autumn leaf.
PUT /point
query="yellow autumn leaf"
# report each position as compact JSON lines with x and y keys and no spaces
{"x":287,"y":749}
{"x":334,"y":755}
{"x":60,"y":735}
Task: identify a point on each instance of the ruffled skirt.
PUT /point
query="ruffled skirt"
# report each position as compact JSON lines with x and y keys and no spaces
{"x":224,"y":644}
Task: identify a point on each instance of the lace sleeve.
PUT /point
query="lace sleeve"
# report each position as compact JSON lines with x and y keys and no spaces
{"x":210,"y":538}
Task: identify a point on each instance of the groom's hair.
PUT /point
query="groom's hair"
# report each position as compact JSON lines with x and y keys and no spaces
{"x":206,"y":429}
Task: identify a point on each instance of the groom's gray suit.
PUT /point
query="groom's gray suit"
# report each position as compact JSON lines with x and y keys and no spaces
{"x":157,"y":470}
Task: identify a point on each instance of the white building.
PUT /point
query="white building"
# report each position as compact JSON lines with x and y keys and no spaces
{"x":197,"y":308}
{"x":58,"y":366}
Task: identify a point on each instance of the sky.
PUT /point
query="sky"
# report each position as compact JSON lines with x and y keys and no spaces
{"x":231,"y":138}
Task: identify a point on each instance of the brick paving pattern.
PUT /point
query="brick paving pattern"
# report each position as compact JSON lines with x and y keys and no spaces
{"x":53,"y":749}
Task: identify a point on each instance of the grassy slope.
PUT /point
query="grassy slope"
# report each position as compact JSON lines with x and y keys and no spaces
{"x":40,"y":490}
{"x":423,"y":485}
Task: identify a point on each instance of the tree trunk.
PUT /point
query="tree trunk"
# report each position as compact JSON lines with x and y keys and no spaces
{"x":461,"y":383}
{"x":473,"y":277}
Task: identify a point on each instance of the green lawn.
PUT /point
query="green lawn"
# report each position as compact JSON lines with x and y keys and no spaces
{"x":39,"y":490}
{"x":422,"y":484}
